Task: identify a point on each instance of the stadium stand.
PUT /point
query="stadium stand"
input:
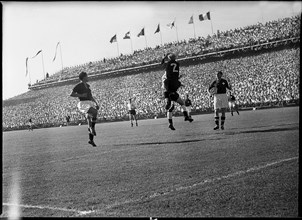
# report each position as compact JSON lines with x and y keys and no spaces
{"x":261,"y":61}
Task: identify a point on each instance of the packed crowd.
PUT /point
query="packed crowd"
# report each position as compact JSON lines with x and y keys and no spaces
{"x":263,"y":78}
{"x":250,"y":35}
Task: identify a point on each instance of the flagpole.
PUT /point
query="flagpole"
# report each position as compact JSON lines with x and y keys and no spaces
{"x":43,"y":64}
{"x":131,"y":45}
{"x":61,"y":58}
{"x":212,"y":26}
{"x":161,"y":39}
{"x":194,"y":29}
{"x":145,"y":38}
{"x":28,"y":71}
{"x":176,"y":29}
{"x":118,"y":52}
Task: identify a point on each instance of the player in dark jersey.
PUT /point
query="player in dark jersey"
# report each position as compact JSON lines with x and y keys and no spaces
{"x":232,"y":104}
{"x":220,"y":98}
{"x":30,"y":125}
{"x":171,"y":84}
{"x":188,"y":105}
{"x":87,"y":104}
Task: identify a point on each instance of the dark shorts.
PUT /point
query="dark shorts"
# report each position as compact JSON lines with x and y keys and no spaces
{"x":171,"y":95}
{"x":132,"y":112}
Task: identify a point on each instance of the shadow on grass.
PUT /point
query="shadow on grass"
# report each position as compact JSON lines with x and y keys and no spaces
{"x":261,"y":131}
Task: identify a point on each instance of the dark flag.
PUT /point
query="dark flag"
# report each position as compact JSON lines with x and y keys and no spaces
{"x":142,"y":33}
{"x":157,"y":29}
{"x":113,"y":39}
{"x":127,"y":35}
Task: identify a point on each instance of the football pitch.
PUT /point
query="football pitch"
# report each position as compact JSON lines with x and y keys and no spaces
{"x":250,"y":169}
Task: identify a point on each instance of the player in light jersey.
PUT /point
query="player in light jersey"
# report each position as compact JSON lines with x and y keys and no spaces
{"x":232,"y":104}
{"x":132,"y":112}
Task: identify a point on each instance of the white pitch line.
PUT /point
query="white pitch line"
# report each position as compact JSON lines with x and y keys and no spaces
{"x":157,"y":194}
{"x":45,"y":207}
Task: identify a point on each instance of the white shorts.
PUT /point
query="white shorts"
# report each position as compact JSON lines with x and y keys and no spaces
{"x":231,"y":104}
{"x":220,"y":101}
{"x":188,"y":109}
{"x":84,"y":106}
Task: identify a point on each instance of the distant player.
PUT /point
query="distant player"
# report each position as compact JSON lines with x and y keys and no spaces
{"x":232,"y":104}
{"x":188,"y":105}
{"x":87,"y":104}
{"x":67,"y":117}
{"x":132,"y":113}
{"x":220,"y":86}
{"x":30,"y":125}
{"x":171,"y":84}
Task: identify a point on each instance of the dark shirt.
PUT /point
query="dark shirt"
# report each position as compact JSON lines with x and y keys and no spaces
{"x":172,"y":73}
{"x":188,"y":102}
{"x":172,"y":70}
{"x":80,"y":88}
{"x":232,"y":98}
{"x":221,"y":86}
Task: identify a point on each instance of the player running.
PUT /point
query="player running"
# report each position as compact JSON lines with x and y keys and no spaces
{"x":220,"y":98}
{"x":87,"y":104}
{"x":132,"y":113}
{"x":171,"y":84}
{"x":232,"y":104}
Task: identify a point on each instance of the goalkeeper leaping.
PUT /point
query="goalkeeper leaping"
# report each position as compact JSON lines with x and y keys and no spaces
{"x":171,"y":84}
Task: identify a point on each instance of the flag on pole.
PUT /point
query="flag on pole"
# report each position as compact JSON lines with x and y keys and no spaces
{"x":205,"y":16}
{"x":191,"y":20}
{"x":157,"y":29}
{"x":127,"y":35}
{"x":56,"y":52}
{"x":171,"y":25}
{"x":26,"y":66}
{"x":113,"y":39}
{"x":37,"y":54}
{"x":141,"y":33}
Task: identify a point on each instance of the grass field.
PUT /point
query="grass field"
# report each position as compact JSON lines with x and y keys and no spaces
{"x":251,"y":169}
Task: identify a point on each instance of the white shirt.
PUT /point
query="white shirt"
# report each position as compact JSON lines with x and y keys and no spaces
{"x":131,"y":106}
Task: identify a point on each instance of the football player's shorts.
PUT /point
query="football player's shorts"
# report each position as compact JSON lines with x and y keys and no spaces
{"x":84,"y":106}
{"x":132,"y":112}
{"x":220,"y":101}
{"x":231,"y":104}
{"x":171,"y":95}
{"x":188,"y":108}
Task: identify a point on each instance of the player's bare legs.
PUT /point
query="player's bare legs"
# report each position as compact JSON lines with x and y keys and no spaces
{"x":135,"y":118}
{"x":236,"y":109}
{"x":222,"y":118}
{"x":216,"y":119}
{"x":91,"y":118}
{"x":131,"y":119}
{"x":169,"y":107}
{"x":182,"y":104}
